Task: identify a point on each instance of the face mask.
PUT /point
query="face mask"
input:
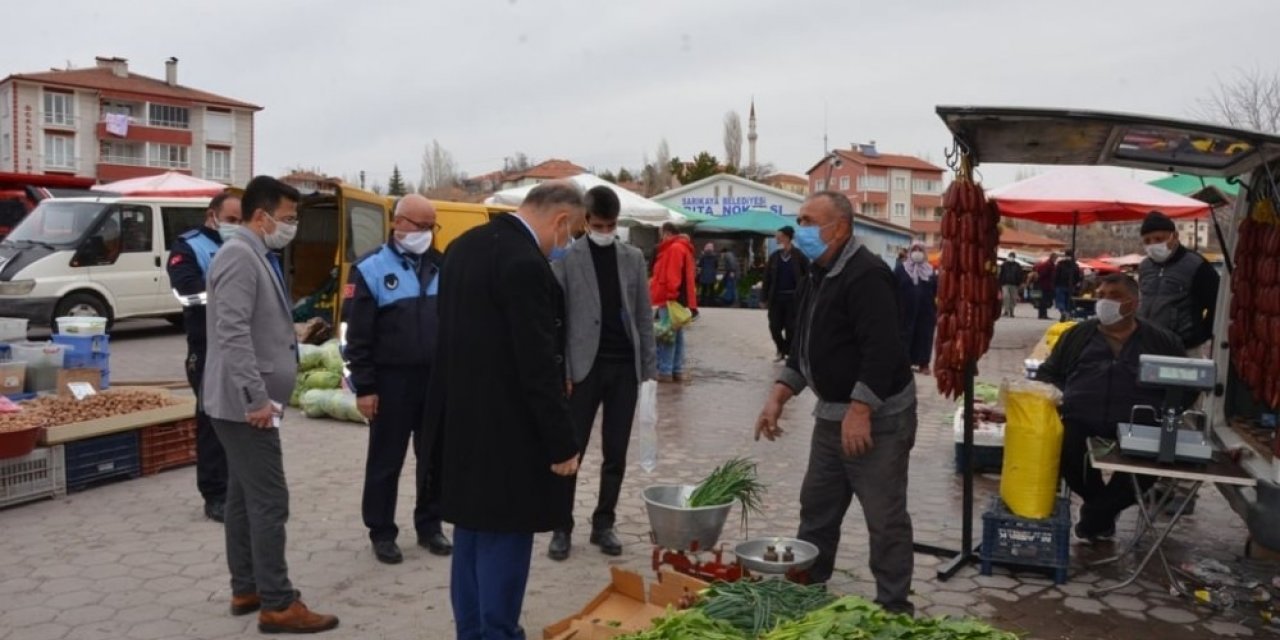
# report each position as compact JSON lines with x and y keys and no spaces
{"x":416,"y":243}
{"x":917,"y":256}
{"x":281,"y":237}
{"x":1109,"y":312}
{"x":226,"y":230}
{"x":810,"y":241}
{"x":559,"y":251}
{"x":1159,"y":251}
{"x":602,"y":239}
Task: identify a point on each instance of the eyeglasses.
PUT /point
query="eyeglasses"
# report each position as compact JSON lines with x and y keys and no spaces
{"x":418,"y":225}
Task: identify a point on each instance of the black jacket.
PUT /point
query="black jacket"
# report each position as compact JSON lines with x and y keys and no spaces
{"x":497,"y":396}
{"x":847,"y":332}
{"x":401,"y":333}
{"x":1067,"y":275}
{"x":1011,"y":273}
{"x":799,"y":264}
{"x":186,"y":277}
{"x":1180,"y":295}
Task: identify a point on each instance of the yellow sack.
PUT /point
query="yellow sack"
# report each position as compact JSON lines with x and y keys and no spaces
{"x":680,"y":315}
{"x":1032,"y":446}
{"x":1055,"y":331}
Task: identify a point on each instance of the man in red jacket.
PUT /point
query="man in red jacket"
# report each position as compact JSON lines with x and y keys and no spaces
{"x":673,"y":281}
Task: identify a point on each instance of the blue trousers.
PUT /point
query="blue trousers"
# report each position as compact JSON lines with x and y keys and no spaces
{"x":1063,"y":301}
{"x":670,"y":355}
{"x":487,"y":585}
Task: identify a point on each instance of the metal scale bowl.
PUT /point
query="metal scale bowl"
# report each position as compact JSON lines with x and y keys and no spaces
{"x":751,"y":554}
{"x":681,"y":533}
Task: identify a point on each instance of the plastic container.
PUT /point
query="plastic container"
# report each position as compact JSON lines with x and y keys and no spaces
{"x":988,"y":445}
{"x":82,"y":325}
{"x":93,"y":460}
{"x":13,"y":377}
{"x":15,"y":444}
{"x":39,"y":474}
{"x":168,"y":446}
{"x":13,"y":329}
{"x":1025,"y":543}
{"x":85,"y":352}
{"x":39,"y":353}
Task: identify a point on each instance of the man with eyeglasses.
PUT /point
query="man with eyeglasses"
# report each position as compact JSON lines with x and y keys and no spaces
{"x":390,"y":346}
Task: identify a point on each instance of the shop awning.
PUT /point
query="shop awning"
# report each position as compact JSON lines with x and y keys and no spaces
{"x":171,"y":184}
{"x":755,"y":221}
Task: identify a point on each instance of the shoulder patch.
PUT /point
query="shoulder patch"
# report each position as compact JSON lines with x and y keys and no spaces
{"x":391,"y":282}
{"x":348,"y":291}
{"x":175,"y":259}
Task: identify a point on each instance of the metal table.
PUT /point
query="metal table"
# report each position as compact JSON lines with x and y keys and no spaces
{"x":1106,"y":456}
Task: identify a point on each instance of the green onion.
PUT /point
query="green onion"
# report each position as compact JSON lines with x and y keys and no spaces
{"x":733,"y":480}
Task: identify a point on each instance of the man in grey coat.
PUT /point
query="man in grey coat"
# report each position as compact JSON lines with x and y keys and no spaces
{"x":247,"y":380}
{"x":610,"y":350}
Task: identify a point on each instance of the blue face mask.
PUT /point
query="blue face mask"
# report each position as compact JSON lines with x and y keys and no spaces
{"x":809,"y":239}
{"x":558,"y":253}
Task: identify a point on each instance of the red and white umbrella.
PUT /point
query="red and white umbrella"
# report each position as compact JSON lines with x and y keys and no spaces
{"x":1084,"y":195}
{"x":171,"y":184}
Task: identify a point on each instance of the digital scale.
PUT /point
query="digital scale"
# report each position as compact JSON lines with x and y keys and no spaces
{"x":1180,"y":437}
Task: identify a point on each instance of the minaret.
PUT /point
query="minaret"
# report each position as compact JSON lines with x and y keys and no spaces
{"x":751,"y":139}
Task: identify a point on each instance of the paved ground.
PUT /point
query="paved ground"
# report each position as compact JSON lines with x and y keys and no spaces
{"x":135,"y":559}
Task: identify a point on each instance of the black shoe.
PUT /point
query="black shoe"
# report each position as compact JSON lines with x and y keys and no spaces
{"x":436,"y":543}
{"x":1091,"y":533}
{"x":608,"y":542}
{"x":215,"y":510}
{"x":560,"y":545}
{"x":387,"y":552}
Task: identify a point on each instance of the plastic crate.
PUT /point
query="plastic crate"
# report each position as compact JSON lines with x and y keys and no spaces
{"x":984,"y":460}
{"x":93,"y":460}
{"x":37,"y":475}
{"x":988,"y":445}
{"x":85,"y":352}
{"x":167,"y":446}
{"x":1024,"y":543}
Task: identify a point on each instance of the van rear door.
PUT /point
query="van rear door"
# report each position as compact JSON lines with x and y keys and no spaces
{"x":1064,"y":136}
{"x":365,"y":226}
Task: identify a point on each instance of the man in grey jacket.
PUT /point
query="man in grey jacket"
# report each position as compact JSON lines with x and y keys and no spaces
{"x":247,"y":380}
{"x":609,"y":351}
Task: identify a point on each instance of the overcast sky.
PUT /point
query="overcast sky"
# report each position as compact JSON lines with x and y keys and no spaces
{"x":365,"y":85}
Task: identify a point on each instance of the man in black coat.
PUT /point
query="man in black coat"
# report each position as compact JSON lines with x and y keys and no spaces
{"x":783,"y":274}
{"x":188,"y":270}
{"x":507,"y":448}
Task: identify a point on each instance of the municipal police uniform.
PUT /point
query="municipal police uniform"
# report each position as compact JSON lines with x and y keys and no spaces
{"x":188,"y":266}
{"x":390,"y":346}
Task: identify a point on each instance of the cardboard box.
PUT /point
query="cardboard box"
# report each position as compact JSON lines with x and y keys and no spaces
{"x":13,"y":377}
{"x":184,"y":410}
{"x":66,"y":376}
{"x":622,"y":607}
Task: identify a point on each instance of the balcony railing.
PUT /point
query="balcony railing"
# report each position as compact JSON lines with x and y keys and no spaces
{"x":60,"y":164}
{"x":59,"y":120}
{"x":130,"y":161}
{"x":169,"y":164}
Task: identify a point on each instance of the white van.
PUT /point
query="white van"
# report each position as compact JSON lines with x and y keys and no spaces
{"x":97,"y":256}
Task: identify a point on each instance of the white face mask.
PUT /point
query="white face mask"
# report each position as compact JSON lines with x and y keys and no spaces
{"x":1159,"y":251}
{"x":1109,"y":312}
{"x":917,"y":256}
{"x":602,"y":239}
{"x":226,"y":230}
{"x":416,"y":242}
{"x":281,"y":237}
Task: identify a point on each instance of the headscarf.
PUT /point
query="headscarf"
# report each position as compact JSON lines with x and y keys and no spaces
{"x":918,"y":270}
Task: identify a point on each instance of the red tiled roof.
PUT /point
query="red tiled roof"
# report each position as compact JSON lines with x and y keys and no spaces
{"x":549,"y":170}
{"x":104,"y":79}
{"x":926,"y":226}
{"x":786,"y":178}
{"x":1014,"y":237}
{"x":881,"y":160}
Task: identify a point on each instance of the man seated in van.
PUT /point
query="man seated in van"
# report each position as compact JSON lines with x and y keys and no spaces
{"x":1095,"y":364}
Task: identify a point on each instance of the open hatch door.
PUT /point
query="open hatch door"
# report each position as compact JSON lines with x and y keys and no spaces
{"x":1068,"y":136}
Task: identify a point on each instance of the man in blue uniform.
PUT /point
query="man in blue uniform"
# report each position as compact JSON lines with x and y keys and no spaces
{"x":188,"y":267}
{"x":390,"y":345}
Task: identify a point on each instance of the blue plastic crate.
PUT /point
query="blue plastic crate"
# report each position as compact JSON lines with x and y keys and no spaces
{"x":106,"y":457}
{"x":1024,"y":543}
{"x":85,"y":352}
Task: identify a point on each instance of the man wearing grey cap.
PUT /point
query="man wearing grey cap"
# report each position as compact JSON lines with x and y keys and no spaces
{"x":1179,"y":287}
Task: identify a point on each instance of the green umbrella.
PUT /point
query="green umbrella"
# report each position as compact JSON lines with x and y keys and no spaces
{"x":1199,"y":188}
{"x":757,"y":221}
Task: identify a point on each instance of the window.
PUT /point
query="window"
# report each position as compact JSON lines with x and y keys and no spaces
{"x":178,"y":220}
{"x":926,"y":186}
{"x":217,"y":163}
{"x":844,"y":183}
{"x":126,"y":153}
{"x":59,"y":152}
{"x":899,"y":209}
{"x":873,"y":183}
{"x":163,"y":115}
{"x":5,"y":149}
{"x":4,"y":103}
{"x":218,"y":126}
{"x":135,"y":230}
{"x":170,"y":156}
{"x":819,"y":185}
{"x":120,"y":108}
{"x":922,"y":213}
{"x":58,"y":108}
{"x":900,"y":184}
{"x":367,"y":231}
{"x":871,"y":209}
{"x":123,"y":230}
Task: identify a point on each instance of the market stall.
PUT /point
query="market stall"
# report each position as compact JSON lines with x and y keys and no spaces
{"x":636,"y":209}
{"x":168,"y":184}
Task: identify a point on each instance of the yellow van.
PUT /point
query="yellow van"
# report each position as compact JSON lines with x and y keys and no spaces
{"x":456,"y":218}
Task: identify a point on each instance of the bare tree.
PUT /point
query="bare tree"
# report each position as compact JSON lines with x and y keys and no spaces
{"x":438,"y":168}
{"x":517,"y":163}
{"x":663,"y":162}
{"x":1249,"y":100}
{"x":733,"y":141}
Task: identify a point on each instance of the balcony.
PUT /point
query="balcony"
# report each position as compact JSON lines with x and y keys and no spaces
{"x":123,"y":160}
{"x":59,"y":121}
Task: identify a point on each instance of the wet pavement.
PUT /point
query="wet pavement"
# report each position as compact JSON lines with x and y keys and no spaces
{"x":136,"y":559}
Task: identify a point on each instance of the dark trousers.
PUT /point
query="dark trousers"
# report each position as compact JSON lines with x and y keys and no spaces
{"x":780,"y":315}
{"x":879,"y":480}
{"x":1046,"y":301}
{"x":256,"y":513}
{"x":613,"y":384}
{"x":1103,"y":501}
{"x":486,"y":587}
{"x":211,"y":460}
{"x":402,"y":405}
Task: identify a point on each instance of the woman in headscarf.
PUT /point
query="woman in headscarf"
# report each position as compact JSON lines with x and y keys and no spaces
{"x":917,"y":308}
{"x":708,"y":268}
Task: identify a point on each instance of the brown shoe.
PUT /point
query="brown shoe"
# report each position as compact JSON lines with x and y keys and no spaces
{"x":678,"y":377}
{"x":243,"y":605}
{"x":662,"y":377}
{"x":295,"y":619}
